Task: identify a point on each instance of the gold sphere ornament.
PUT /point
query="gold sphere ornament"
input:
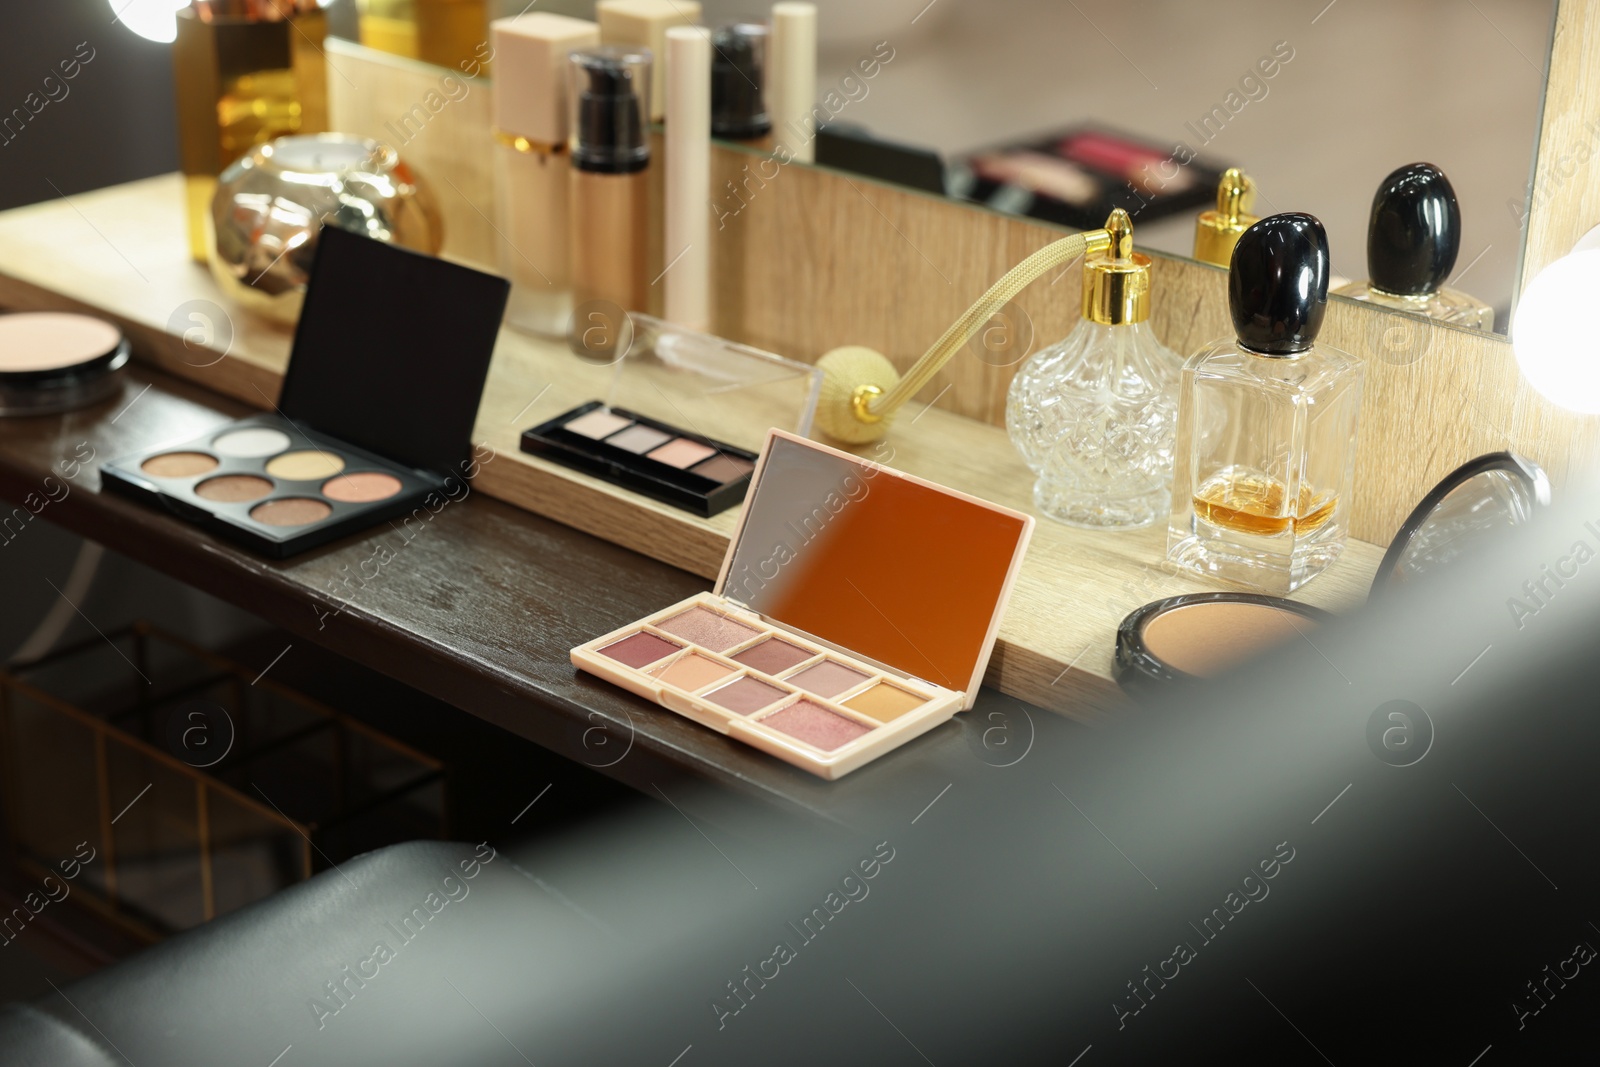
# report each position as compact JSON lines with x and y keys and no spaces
{"x":270,"y":204}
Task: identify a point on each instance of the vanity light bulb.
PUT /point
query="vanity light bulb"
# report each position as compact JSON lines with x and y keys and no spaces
{"x":1551,"y":333}
{"x":154,"y":20}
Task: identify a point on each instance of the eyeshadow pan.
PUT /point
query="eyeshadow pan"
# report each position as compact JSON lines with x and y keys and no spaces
{"x":827,"y":678}
{"x":815,"y":725}
{"x":707,"y":629}
{"x":362,"y":488}
{"x":884,"y":702}
{"x":290,"y":511}
{"x":773,"y":655}
{"x":682,"y":453}
{"x":233,"y":488}
{"x":252,"y":442}
{"x":597,"y":424}
{"x":724,"y":468}
{"x":639,"y":650}
{"x":178,"y":464}
{"x":305,"y":466}
{"x":692,"y":672}
{"x":746,"y":696}
{"x":638,"y":439}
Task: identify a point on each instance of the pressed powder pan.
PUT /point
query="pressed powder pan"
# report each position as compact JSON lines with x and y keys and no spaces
{"x":1187,"y":639}
{"x":55,"y":361}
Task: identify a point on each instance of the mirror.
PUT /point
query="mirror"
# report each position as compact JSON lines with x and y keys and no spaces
{"x":1462,"y":514}
{"x":1063,"y":110}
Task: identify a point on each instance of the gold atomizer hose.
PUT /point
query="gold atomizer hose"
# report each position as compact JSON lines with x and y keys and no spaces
{"x":861,"y":389}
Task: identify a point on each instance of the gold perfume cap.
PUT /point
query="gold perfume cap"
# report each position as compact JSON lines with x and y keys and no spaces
{"x":1116,"y":285}
{"x":1217,"y":231}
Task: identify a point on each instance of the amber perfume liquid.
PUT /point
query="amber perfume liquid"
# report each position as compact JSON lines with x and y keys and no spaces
{"x":1265,"y":464}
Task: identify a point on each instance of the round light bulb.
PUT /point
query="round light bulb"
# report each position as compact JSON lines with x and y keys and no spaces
{"x":1553,"y":334}
{"x":155,"y":20}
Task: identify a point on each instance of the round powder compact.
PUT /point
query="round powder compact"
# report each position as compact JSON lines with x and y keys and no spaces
{"x":55,"y":361}
{"x":363,"y":487}
{"x":179,"y":465}
{"x":290,"y":511}
{"x":233,"y":488}
{"x":1187,"y":639}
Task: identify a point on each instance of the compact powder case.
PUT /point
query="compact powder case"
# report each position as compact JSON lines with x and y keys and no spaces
{"x":856,"y":609}
{"x":56,"y":361}
{"x":376,"y":413}
{"x":636,"y":452}
{"x":1184,"y":640}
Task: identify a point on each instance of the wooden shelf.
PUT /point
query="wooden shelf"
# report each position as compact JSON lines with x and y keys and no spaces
{"x":121,"y":252}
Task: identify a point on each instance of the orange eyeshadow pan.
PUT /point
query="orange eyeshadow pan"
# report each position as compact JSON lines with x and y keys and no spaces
{"x":692,"y":672}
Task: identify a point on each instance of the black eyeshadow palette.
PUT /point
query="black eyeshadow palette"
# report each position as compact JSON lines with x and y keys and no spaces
{"x":376,"y":413}
{"x":634,"y":451}
{"x":276,"y":487}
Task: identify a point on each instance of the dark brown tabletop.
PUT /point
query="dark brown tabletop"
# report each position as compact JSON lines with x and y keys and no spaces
{"x":479,"y":609}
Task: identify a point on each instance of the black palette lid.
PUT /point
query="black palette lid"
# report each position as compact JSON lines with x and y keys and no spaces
{"x":392,"y":350}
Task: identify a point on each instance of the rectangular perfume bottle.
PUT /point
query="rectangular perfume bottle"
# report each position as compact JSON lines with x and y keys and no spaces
{"x":1265,"y":463}
{"x":1442,"y":304}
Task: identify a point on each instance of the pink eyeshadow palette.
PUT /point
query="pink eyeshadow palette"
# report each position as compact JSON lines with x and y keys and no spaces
{"x":639,"y":453}
{"x":782,"y":655}
{"x":746,"y":677}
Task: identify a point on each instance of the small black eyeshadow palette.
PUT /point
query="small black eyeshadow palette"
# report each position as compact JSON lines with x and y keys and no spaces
{"x":639,"y":453}
{"x":274,"y":486}
{"x":375,"y":416}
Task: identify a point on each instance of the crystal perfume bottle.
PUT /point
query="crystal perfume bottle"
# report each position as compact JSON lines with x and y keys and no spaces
{"x":1094,"y":415}
{"x":1412,"y":240}
{"x":1267,"y":423}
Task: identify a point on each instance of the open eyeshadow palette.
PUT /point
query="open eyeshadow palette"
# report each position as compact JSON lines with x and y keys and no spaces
{"x":650,"y":457}
{"x":376,"y":413}
{"x":856,"y":609}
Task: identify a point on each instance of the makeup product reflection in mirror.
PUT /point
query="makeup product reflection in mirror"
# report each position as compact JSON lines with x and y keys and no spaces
{"x":55,"y":361}
{"x":856,"y":609}
{"x":1186,"y":639}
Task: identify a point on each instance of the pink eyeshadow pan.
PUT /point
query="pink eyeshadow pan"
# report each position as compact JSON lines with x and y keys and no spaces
{"x":707,"y":629}
{"x":746,"y":696}
{"x":815,"y":725}
{"x":827,"y":679}
{"x":772,"y":656}
{"x":681,"y":453}
{"x":639,"y":650}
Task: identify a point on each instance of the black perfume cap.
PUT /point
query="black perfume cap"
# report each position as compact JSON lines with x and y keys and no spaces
{"x":1278,"y":284}
{"x":610,"y":88}
{"x":1415,"y":231}
{"x":738,"y":82}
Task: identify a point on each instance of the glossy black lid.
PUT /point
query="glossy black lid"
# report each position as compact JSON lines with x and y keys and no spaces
{"x":738,"y":82}
{"x":1278,"y":284}
{"x":1415,"y":231}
